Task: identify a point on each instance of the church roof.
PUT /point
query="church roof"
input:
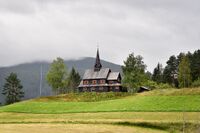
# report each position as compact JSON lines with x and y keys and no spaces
{"x":101,"y":74}
{"x":97,"y":65}
{"x":113,"y":76}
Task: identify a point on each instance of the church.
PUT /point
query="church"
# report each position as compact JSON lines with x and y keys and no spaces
{"x":100,"y":79}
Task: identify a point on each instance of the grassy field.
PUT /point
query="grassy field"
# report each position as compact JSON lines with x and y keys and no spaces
{"x":168,"y":110}
{"x":156,"y":101}
{"x":73,"y":128}
{"x":114,"y":121}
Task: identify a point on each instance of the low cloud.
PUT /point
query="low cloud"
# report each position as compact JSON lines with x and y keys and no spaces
{"x":44,"y":29}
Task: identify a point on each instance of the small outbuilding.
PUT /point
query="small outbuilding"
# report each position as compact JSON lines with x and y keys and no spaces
{"x":143,"y":89}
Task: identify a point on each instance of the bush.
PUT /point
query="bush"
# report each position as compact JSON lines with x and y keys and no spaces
{"x":153,"y":85}
{"x":196,"y":83}
{"x":164,"y":86}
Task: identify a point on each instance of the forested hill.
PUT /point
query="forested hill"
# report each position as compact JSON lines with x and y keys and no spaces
{"x":29,"y":74}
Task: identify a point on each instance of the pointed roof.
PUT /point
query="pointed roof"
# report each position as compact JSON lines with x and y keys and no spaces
{"x":97,"y":65}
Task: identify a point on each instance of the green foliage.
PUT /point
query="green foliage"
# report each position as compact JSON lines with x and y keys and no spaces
{"x":153,"y":85}
{"x":184,"y":76}
{"x":57,"y":75}
{"x":163,"y":86}
{"x":73,"y":81}
{"x":172,"y":67}
{"x":12,"y":89}
{"x":170,"y":70}
{"x":157,"y":74}
{"x":195,"y":65}
{"x":134,"y":72}
{"x":196,"y":83}
{"x":148,"y":75}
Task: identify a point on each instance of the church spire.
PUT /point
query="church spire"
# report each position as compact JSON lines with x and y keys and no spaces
{"x":97,"y":65}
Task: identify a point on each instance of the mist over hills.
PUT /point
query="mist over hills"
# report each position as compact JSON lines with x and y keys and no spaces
{"x":30,"y":73}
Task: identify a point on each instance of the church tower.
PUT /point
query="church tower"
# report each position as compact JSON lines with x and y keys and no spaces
{"x":97,"y":65}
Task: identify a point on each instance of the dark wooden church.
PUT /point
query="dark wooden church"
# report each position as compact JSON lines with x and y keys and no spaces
{"x":100,"y":79}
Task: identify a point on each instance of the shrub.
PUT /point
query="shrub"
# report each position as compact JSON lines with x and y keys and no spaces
{"x":164,"y":86}
{"x":196,"y":83}
{"x":153,"y":85}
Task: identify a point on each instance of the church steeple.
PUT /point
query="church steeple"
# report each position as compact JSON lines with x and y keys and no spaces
{"x":97,"y":65}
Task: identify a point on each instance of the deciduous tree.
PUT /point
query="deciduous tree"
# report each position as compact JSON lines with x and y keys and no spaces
{"x":184,"y":72}
{"x":57,"y":75}
{"x":134,"y":72}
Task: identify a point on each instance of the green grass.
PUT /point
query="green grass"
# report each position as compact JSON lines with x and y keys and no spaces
{"x":102,"y":116}
{"x":155,"y":101}
{"x":164,"y":110}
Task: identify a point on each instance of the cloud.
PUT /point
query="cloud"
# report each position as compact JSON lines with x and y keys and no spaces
{"x":44,"y":29}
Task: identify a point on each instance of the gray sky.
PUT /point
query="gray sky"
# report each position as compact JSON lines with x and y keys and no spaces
{"x":32,"y":30}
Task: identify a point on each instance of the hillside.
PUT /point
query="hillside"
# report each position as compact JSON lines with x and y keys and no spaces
{"x":29,"y":73}
{"x":166,"y":101}
{"x":157,"y":111}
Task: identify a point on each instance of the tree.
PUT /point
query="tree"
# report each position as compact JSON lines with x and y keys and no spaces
{"x":12,"y":89}
{"x":148,"y":75}
{"x":184,"y":72}
{"x":57,"y":75}
{"x":195,"y":65}
{"x":157,"y":74}
{"x":134,"y":72}
{"x":73,"y":80}
{"x":170,"y":71}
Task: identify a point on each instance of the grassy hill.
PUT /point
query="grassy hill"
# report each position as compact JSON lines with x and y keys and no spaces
{"x":167,"y":110}
{"x":156,"y":101}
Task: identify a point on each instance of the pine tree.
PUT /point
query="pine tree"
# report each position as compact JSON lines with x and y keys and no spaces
{"x":73,"y":80}
{"x":170,"y":70}
{"x":12,"y":89}
{"x":195,"y":65}
{"x":184,"y":72}
{"x":157,"y":74}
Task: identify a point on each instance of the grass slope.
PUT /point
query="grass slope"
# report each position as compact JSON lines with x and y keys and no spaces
{"x":117,"y":112}
{"x":155,"y":101}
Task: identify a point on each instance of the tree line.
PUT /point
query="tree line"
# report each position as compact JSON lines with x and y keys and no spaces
{"x":181,"y":71}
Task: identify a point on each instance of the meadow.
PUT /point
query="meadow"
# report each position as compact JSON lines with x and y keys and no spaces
{"x":167,"y":110}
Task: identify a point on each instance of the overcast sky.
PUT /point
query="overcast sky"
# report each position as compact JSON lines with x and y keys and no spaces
{"x":32,"y":30}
